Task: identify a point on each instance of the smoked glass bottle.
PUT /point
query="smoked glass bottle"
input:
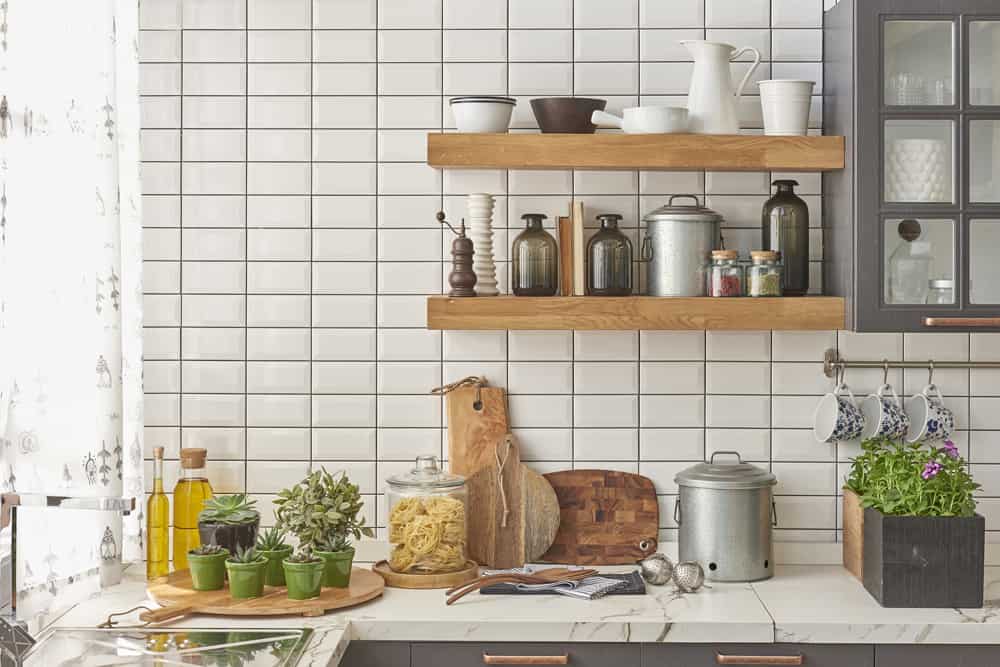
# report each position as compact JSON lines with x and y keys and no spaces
{"x":786,"y":231}
{"x":157,"y":523}
{"x":190,"y":494}
{"x":534,"y":260}
{"x":609,"y":260}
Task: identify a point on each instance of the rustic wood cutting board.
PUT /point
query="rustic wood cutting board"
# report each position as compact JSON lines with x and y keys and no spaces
{"x":607,"y":517}
{"x":533,"y":512}
{"x":474,"y":427}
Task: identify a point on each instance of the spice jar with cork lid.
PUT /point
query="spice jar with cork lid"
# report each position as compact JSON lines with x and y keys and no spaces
{"x":725,"y":275}
{"x":765,"y":274}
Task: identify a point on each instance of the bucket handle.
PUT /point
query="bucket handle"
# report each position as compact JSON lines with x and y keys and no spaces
{"x":697,"y":202}
{"x":677,"y":510}
{"x":646,"y":254}
{"x":711,"y":459}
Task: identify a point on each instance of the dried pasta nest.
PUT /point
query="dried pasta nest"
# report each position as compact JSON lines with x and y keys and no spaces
{"x":429,"y":535}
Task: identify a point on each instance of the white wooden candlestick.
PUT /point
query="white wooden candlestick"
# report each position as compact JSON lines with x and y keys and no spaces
{"x":480,"y":224}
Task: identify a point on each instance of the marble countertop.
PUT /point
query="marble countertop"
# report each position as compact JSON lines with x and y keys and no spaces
{"x":803,"y":603}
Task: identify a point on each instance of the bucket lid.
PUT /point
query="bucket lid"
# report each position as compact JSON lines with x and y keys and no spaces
{"x":728,"y":475}
{"x":427,"y":474}
{"x":693,"y":212}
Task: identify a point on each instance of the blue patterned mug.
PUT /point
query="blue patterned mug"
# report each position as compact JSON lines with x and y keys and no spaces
{"x":930,"y":421}
{"x":884,"y":416}
{"x":837,"y":416}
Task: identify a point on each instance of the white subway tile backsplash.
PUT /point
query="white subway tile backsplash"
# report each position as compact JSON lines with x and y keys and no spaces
{"x":674,"y":14}
{"x":277,"y":278}
{"x":737,"y":411}
{"x":475,"y":46}
{"x":737,"y":13}
{"x":213,"y":13}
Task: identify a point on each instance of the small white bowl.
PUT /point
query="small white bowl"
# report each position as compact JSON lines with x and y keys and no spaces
{"x":482,"y":113}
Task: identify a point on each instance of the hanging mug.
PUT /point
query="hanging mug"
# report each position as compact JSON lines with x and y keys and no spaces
{"x":930,"y":421}
{"x":837,"y":416}
{"x":884,"y":416}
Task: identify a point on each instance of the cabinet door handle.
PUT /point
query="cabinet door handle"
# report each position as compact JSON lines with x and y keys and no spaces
{"x":525,"y":659}
{"x":758,"y":659}
{"x":963,"y":322}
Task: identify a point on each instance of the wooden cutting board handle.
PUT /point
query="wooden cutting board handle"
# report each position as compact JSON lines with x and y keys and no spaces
{"x":168,"y":613}
{"x":477,"y":420}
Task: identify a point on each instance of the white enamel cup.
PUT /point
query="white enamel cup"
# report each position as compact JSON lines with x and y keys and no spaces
{"x":785,"y":103}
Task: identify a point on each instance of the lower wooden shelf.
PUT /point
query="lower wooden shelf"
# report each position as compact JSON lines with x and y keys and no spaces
{"x":635,"y":312}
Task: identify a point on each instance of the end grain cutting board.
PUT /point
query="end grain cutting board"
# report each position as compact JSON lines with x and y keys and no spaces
{"x":607,"y":517}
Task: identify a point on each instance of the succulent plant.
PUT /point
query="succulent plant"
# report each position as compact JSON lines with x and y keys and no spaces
{"x":322,"y":510}
{"x":272,"y":539}
{"x":334,"y":542}
{"x":207,"y":550}
{"x":235,"y":509}
{"x":245,"y":556}
{"x":304,"y":556}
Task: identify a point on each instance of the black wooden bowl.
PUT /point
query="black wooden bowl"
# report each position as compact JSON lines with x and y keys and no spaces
{"x":566,"y":114}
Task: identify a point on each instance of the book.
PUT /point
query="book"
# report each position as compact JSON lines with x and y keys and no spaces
{"x":565,"y":229}
{"x":579,"y":267}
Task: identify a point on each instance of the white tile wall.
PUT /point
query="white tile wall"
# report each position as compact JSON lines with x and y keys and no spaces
{"x":291,"y":241}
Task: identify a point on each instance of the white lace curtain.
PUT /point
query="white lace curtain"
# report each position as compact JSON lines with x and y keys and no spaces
{"x":70,"y":277}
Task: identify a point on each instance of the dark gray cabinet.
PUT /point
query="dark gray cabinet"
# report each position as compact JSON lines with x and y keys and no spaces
{"x":436,"y":654}
{"x":937,"y":656}
{"x":912,"y":224}
{"x":712,"y":655}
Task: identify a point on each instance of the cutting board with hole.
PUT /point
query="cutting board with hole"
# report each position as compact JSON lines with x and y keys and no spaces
{"x":474,"y":426}
{"x":606,"y":517}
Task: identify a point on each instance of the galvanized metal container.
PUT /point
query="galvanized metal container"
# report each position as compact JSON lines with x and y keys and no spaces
{"x":676,"y":247}
{"x":725,"y":514}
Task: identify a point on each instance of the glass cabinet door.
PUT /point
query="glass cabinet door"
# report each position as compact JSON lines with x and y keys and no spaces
{"x":984,"y":159}
{"x":984,"y":261}
{"x":919,"y":63}
{"x":918,"y":260}
{"x":984,"y":63}
{"x":919,"y":161}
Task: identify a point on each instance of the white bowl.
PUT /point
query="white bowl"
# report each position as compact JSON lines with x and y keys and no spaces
{"x":482,"y":113}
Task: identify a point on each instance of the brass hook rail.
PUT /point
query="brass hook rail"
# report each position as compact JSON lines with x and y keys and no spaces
{"x":833,"y":364}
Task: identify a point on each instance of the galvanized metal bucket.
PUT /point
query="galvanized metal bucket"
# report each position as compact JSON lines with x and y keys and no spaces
{"x":676,"y":248}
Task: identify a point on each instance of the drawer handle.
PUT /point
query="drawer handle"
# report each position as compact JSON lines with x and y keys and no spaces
{"x":964,"y":322}
{"x":758,"y":659}
{"x":525,"y":659}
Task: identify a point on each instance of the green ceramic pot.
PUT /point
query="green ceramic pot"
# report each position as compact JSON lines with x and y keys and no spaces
{"x":274,"y":575}
{"x":304,"y":580}
{"x":208,"y":573}
{"x":246,"y":580}
{"x":337,"y":573}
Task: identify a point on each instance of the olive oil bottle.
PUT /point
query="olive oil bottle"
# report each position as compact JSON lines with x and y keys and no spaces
{"x":190,"y":494}
{"x":157,"y":523}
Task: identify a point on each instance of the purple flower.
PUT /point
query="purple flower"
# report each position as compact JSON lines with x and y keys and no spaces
{"x":950,"y":449}
{"x":931,"y":469}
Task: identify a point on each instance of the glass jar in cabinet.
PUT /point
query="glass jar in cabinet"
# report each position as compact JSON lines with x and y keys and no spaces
{"x":764,"y":274}
{"x":725,"y":275}
{"x":426,"y":519}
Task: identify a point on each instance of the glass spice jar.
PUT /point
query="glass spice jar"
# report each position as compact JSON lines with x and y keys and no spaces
{"x":725,"y":275}
{"x":764,"y":274}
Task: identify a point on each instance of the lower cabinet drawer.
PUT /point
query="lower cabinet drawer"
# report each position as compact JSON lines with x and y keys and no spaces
{"x":936,"y":656}
{"x":747,"y":655}
{"x":377,"y":654}
{"x":434,"y":654}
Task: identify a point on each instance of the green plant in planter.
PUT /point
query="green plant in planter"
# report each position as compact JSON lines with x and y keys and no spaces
{"x":246,"y":573}
{"x":207,"y":565}
{"x":271,"y":545}
{"x":304,"y":575}
{"x":230,"y":521}
{"x":322,"y":511}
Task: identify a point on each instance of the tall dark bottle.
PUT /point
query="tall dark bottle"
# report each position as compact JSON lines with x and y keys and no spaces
{"x":534,"y":259}
{"x":609,"y":260}
{"x":785,"y":224}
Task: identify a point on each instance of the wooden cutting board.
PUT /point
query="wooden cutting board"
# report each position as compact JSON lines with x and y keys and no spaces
{"x":474,"y":427}
{"x":607,"y":517}
{"x":532,"y":519}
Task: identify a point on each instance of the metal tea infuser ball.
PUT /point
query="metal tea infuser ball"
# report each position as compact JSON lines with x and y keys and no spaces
{"x":656,"y":569}
{"x":688,"y":576}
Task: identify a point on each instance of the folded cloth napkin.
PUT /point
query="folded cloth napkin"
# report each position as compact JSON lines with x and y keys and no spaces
{"x":624,"y":584}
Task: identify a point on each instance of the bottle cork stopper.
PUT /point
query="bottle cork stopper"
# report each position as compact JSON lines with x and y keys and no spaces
{"x":725,"y":254}
{"x":157,"y":452}
{"x":192,"y":457}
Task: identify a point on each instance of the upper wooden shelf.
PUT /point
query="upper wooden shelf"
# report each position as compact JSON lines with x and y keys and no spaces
{"x":675,"y":152}
{"x":635,"y":312}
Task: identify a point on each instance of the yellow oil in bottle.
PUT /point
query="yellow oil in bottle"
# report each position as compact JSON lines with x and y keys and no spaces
{"x":190,"y":494}
{"x":157,"y":523}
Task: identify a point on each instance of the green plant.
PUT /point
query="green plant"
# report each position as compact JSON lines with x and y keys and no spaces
{"x":303,"y":556}
{"x":335,"y":542}
{"x":912,"y":479}
{"x":245,"y":556}
{"x":272,"y":539}
{"x":235,"y":509}
{"x":207,"y":550}
{"x":320,"y":508}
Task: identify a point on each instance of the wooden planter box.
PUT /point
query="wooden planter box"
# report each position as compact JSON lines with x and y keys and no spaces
{"x":914,"y":561}
{"x":854,"y":522}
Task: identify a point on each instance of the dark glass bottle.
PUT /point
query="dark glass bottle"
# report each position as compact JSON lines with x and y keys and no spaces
{"x":534,"y":260}
{"x":609,"y":260}
{"x":786,"y":231}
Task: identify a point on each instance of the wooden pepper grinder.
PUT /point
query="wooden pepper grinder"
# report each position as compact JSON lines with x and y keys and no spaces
{"x":462,"y":278}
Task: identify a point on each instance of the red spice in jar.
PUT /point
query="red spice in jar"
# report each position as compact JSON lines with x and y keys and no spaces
{"x":726,"y":285}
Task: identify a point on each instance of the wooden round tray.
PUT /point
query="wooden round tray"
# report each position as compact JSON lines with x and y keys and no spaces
{"x":177,"y":598}
{"x":445,"y":580}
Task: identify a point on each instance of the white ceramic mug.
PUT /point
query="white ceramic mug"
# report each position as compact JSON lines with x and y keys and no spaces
{"x":837,"y":416}
{"x":645,"y":120}
{"x":930,"y":421}
{"x":785,"y":103}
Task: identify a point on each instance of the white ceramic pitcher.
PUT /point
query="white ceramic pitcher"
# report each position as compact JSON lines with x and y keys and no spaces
{"x":711,"y":102}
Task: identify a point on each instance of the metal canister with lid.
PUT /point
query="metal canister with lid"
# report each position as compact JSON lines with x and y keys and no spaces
{"x":725,"y":514}
{"x":677,"y":245}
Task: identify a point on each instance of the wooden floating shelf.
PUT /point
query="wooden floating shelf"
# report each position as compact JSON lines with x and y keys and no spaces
{"x":635,"y":312}
{"x":675,"y":152}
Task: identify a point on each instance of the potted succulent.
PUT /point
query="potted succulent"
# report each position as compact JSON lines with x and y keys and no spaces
{"x":271,"y":545}
{"x":229,"y":521}
{"x":304,"y":574}
{"x":207,"y":564}
{"x":322,"y":512}
{"x":923,"y":543}
{"x":246,"y":573}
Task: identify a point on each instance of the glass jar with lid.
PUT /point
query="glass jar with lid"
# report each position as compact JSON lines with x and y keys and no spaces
{"x":725,"y":275}
{"x":940,"y":291}
{"x":426,"y":519}
{"x":764,"y":274}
